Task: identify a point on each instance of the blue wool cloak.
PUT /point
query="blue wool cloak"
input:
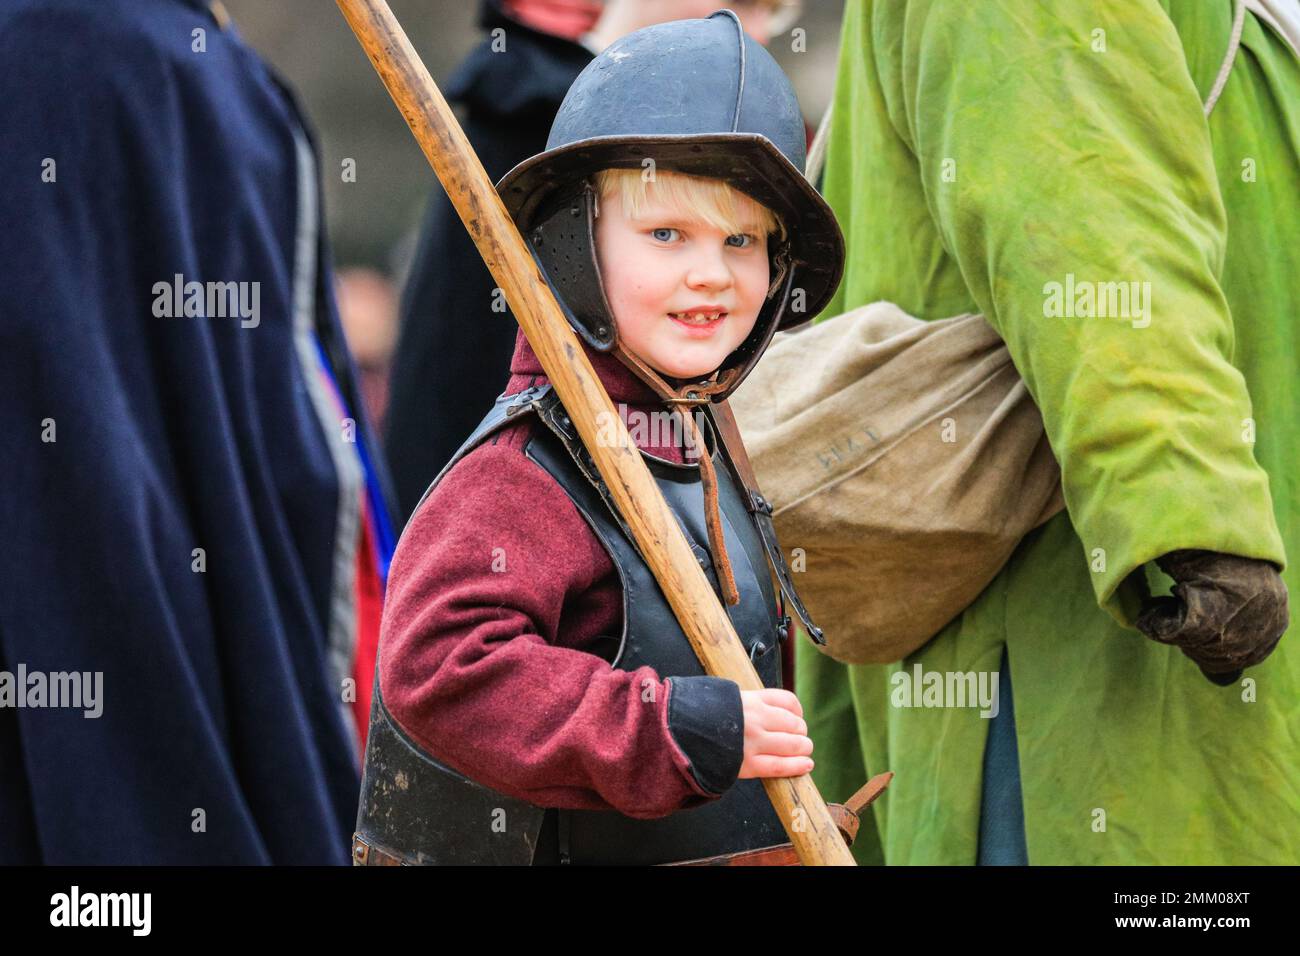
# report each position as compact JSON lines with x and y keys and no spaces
{"x":179,"y":515}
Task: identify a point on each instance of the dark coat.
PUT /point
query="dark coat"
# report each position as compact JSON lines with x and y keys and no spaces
{"x":453,"y":353}
{"x":223,"y":736}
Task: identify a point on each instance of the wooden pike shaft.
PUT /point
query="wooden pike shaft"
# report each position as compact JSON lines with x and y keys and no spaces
{"x":796,"y":799}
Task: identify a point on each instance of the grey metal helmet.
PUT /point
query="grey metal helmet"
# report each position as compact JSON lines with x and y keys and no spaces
{"x":698,"y":97}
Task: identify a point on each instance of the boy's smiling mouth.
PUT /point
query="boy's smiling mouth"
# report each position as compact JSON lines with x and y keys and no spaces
{"x":700,"y":319}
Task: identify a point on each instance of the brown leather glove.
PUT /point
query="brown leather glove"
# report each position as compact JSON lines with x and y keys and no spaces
{"x":1226,"y":613}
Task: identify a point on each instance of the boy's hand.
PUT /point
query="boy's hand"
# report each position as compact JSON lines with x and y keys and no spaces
{"x":776,"y":735}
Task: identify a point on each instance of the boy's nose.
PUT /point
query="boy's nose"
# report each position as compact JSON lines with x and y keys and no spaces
{"x":709,"y":270}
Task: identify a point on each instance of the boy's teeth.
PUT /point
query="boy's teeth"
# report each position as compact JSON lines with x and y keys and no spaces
{"x":697,"y":318}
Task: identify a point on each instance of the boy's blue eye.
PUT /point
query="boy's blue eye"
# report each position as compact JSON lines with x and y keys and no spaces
{"x":746,"y":240}
{"x":664,"y":234}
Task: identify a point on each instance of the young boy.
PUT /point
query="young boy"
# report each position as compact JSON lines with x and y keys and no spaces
{"x":670,"y":216}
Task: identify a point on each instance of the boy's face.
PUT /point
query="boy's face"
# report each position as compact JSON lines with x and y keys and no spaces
{"x":662,"y":270}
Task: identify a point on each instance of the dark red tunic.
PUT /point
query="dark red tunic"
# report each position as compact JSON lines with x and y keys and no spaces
{"x":497,"y":588}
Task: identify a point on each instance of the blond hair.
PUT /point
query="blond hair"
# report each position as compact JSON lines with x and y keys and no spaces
{"x":700,"y":198}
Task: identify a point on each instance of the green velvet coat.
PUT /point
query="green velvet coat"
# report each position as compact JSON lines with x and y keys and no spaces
{"x":1039,"y":162}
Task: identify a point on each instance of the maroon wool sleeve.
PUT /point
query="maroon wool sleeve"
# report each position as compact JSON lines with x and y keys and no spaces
{"x":497,"y":585}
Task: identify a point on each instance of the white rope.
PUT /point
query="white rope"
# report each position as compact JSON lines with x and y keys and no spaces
{"x":1220,"y":81}
{"x":817,"y":151}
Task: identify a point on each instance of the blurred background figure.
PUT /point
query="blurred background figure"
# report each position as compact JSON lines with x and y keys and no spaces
{"x":456,"y":336}
{"x":194,"y":518}
{"x":762,"y":19}
{"x":368,"y":309}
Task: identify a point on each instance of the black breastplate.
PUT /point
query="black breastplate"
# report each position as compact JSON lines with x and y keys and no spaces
{"x":418,"y":809}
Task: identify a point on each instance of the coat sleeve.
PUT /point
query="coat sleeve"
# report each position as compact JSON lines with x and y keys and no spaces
{"x":1067,"y":162}
{"x":471,"y":667}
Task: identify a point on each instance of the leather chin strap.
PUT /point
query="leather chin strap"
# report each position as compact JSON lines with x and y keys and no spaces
{"x":693,"y":394}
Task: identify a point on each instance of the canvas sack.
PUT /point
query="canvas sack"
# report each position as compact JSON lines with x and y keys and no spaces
{"x":904,"y":461}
